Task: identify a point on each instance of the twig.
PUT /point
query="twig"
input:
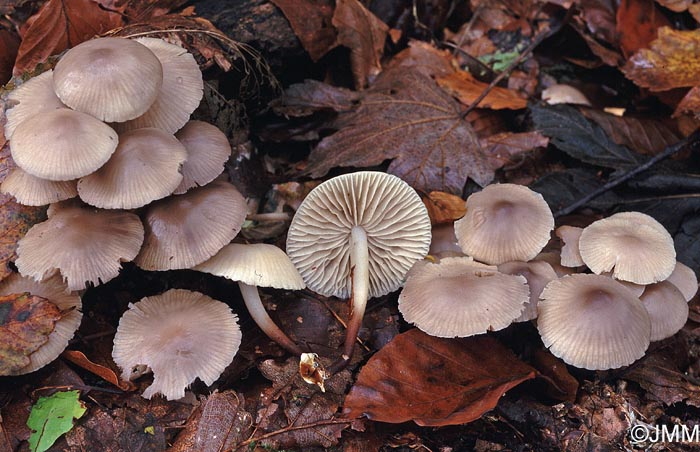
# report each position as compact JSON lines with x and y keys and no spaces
{"x":290,"y":428}
{"x":693,"y":140}
{"x":544,"y":34}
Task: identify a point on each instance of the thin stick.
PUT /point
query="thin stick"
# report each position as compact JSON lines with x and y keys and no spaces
{"x":691,"y":140}
{"x":290,"y":428}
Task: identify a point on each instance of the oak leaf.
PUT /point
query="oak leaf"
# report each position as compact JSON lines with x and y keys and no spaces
{"x":434,"y":381}
{"x":406,"y":117}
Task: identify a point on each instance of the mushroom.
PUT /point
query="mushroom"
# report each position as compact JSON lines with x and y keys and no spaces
{"x":443,"y":242}
{"x":112,"y":79}
{"x":33,"y":191}
{"x":62,"y":144}
{"x":180,"y":335}
{"x":564,"y":94}
{"x":593,"y":322}
{"x":207,"y":151}
{"x":504,"y":222}
{"x":32,"y":97}
{"x":358,"y":234}
{"x":82,"y":243}
{"x":254,"y":266}
{"x":459,"y":297}
{"x":180,"y":93}
{"x":145,"y":167}
{"x":186,"y":230}
{"x":685,"y":279}
{"x":553,"y":258}
{"x":570,"y":255}
{"x":54,"y":290}
{"x":667,"y":309}
{"x":538,"y":274}
{"x":633,"y":245}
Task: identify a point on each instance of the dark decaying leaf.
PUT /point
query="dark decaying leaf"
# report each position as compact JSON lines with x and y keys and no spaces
{"x":9,"y":44}
{"x":434,"y":381}
{"x":688,"y":242}
{"x":406,"y":117}
{"x":658,"y":375}
{"x":425,"y":58}
{"x":311,"y":22}
{"x":25,"y":324}
{"x":563,"y":188}
{"x":503,"y":148}
{"x":569,"y":131}
{"x":138,"y":10}
{"x":58,"y":25}
{"x":304,"y":99}
{"x":364,"y":34}
{"x":561,"y":385}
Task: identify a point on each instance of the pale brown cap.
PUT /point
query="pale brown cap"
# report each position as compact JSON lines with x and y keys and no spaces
{"x":458,"y":297}
{"x":633,"y":245}
{"x":258,"y":264}
{"x":504,"y":222}
{"x":33,"y":96}
{"x":185,"y":230}
{"x":62,"y":144}
{"x":443,"y":242}
{"x":564,"y":94}
{"x":667,"y":309}
{"x":685,"y":279}
{"x":54,"y":290}
{"x":538,"y":274}
{"x":112,"y":79}
{"x":390,"y":212}
{"x":570,"y":255}
{"x":145,"y":167}
{"x":207,"y":151}
{"x":637,"y":289}
{"x":553,"y":258}
{"x":33,"y":191}
{"x":593,"y":322}
{"x":181,"y":335}
{"x":180,"y":93}
{"x":84,"y":244}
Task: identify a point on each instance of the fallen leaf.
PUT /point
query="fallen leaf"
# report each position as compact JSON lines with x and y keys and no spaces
{"x":425,"y":58}
{"x":406,"y":117}
{"x":690,"y":103}
{"x":311,"y":96}
{"x":25,"y":324}
{"x":444,"y":207}
{"x":637,"y":22}
{"x":107,"y":374}
{"x":9,"y":44}
{"x":561,"y":384}
{"x":364,"y":34}
{"x":434,"y":381}
{"x":660,"y":377}
{"x":466,"y":88}
{"x":503,"y":147}
{"x":58,"y":25}
{"x":599,"y":16}
{"x":673,"y":61}
{"x":687,"y":242}
{"x":677,"y":6}
{"x":139,"y":10}
{"x":52,"y":417}
{"x":311,"y":22}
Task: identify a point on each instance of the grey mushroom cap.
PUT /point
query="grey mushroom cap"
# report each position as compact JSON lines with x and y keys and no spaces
{"x":570,"y":254}
{"x":685,"y":279}
{"x":33,"y":191}
{"x":390,"y":212}
{"x":538,"y":274}
{"x":667,"y":309}
{"x":32,"y":97}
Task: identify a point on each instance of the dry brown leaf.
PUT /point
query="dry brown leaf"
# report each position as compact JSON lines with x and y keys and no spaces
{"x":676,"y":5}
{"x":690,"y":103}
{"x":364,"y":34}
{"x":311,"y":22}
{"x":644,"y":135}
{"x":444,"y":207}
{"x":304,"y":99}
{"x":58,"y":25}
{"x":637,"y":22}
{"x":673,"y":61}
{"x":466,"y":88}
{"x":503,"y":147}
{"x":434,"y":381}
{"x":406,"y":117}
{"x":659,"y":375}
{"x":138,"y":10}
{"x":25,"y":324}
{"x":107,"y":374}
{"x":425,"y":58}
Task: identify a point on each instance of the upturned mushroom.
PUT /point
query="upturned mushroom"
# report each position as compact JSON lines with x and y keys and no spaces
{"x":253,"y":266}
{"x":358,"y":235}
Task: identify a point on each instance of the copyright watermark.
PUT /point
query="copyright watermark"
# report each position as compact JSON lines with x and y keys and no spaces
{"x":676,"y":433}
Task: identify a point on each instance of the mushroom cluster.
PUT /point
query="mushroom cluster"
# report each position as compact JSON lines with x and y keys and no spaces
{"x":620,"y":270}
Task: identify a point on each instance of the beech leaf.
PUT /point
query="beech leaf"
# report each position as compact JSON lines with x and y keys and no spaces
{"x":311,"y":22}
{"x":434,"y":381}
{"x":406,"y":117}
{"x":466,"y":88}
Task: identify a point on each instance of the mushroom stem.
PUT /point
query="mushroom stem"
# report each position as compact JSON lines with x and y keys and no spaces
{"x":272,"y":216}
{"x":251,"y":297}
{"x":359,"y":265}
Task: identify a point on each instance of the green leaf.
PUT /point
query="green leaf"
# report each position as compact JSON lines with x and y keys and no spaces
{"x":53,"y":416}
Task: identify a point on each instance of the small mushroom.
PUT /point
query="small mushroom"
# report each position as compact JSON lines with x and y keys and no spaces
{"x":207,"y":151}
{"x":564,"y":94}
{"x":253,"y":266}
{"x":180,"y":93}
{"x":593,"y":322}
{"x":685,"y":279}
{"x":667,"y":309}
{"x":443,"y":242}
{"x":145,"y":167}
{"x":82,"y":243}
{"x":358,"y":235}
{"x":538,"y":274}
{"x":180,"y":335}
{"x":112,"y":79}
{"x":570,"y":255}
{"x":633,"y":245}
{"x":33,"y":191}
{"x":54,"y":290}
{"x":504,"y":222}
{"x":459,"y":297}
{"x":32,"y":97}
{"x":186,"y":230}
{"x":62,"y":144}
